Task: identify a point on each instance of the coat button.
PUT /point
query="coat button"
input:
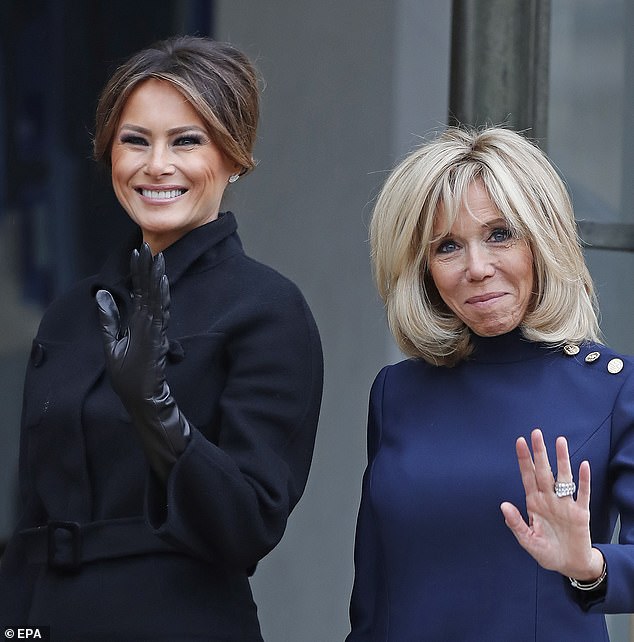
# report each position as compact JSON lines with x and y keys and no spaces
{"x":592,"y":356}
{"x":175,"y":353}
{"x":38,"y":353}
{"x":571,"y":349}
{"x":615,"y":366}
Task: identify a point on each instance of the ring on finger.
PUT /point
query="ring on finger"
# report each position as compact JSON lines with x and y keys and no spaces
{"x":564,"y":489}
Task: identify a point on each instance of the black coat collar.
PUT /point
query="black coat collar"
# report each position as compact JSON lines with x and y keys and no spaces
{"x":208,"y":243}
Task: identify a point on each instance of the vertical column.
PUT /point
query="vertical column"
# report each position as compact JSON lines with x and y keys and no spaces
{"x":627,"y":179}
{"x":499,"y":63}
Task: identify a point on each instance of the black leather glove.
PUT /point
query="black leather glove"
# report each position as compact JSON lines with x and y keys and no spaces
{"x":135,"y":361}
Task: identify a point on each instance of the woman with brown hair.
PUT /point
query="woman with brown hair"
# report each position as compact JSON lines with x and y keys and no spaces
{"x":171,"y":401}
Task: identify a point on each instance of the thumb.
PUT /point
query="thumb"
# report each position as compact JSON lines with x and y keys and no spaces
{"x":514,"y":520}
{"x":108,"y":317}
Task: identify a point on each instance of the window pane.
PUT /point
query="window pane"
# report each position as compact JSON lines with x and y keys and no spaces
{"x":590,"y":115}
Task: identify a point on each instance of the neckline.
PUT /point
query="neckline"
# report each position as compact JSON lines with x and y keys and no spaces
{"x":506,"y":348}
{"x":178,"y":256}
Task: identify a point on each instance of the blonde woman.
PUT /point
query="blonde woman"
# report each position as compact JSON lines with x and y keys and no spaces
{"x":477,"y":259}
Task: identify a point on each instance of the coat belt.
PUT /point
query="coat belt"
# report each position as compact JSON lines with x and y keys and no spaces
{"x":66,"y":546}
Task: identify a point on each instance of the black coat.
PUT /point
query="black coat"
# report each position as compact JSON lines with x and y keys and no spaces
{"x":102,"y":549}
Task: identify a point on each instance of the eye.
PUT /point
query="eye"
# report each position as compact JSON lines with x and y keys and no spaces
{"x":446,"y":246}
{"x":189,"y":140}
{"x":500,"y":235}
{"x":133,"y":139}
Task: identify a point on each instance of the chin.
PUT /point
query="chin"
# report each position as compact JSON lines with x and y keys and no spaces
{"x":495,"y":331}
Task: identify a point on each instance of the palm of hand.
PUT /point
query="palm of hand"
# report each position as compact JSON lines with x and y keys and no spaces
{"x":136,"y":358}
{"x":558,"y":531}
{"x":558,"y":534}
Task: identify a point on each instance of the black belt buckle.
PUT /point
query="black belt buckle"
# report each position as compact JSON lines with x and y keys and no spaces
{"x":64,"y":546}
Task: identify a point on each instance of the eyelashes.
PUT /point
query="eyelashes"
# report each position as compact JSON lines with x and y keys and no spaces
{"x":132,"y":139}
{"x":446,"y":247}
{"x":188,"y":141}
{"x":182,"y":140}
{"x":501,"y":234}
{"x":497,"y":236}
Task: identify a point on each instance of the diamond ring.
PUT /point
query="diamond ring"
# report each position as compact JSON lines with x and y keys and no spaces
{"x":563,"y":489}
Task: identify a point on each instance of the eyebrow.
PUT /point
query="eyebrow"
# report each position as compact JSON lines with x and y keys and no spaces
{"x":170,"y":132}
{"x":495,"y":222}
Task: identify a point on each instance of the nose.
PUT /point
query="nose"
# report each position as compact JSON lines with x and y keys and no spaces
{"x":479,"y":263}
{"x":159,"y":161}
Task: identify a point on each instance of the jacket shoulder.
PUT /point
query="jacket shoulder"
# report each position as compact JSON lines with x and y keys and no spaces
{"x":598,"y":361}
{"x":260,"y":275}
{"x":400,"y":376}
{"x":252,"y":289}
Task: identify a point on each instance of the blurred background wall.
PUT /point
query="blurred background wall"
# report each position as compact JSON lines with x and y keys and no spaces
{"x":350,"y":87}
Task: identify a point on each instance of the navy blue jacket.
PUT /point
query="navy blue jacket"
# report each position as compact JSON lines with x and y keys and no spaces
{"x":434,"y":560}
{"x":103,"y":550}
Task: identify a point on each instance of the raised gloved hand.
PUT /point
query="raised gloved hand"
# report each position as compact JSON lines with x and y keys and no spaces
{"x":135,"y":361}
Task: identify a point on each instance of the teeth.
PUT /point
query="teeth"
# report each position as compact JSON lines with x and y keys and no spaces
{"x":162,"y":194}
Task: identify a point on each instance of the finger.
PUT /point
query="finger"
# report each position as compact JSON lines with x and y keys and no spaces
{"x":543,"y":471}
{"x":140,"y":267}
{"x":146,"y":263}
{"x":564,"y":471}
{"x":583,"y":492}
{"x":527,"y":468}
{"x":108,"y":316}
{"x":514,"y":520}
{"x":155,"y":290}
{"x":135,"y":275}
{"x":165,"y":300}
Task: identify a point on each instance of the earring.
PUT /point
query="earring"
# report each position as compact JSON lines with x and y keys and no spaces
{"x":233,"y":178}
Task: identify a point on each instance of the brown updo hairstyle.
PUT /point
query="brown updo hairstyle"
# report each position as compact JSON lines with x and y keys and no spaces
{"x":216,"y":78}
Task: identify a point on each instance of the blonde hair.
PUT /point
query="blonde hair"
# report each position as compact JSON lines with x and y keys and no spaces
{"x":216,"y":78}
{"x":530,"y":196}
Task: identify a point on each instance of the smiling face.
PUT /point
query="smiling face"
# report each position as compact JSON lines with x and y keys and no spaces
{"x":167,"y":173}
{"x":482,"y":273}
